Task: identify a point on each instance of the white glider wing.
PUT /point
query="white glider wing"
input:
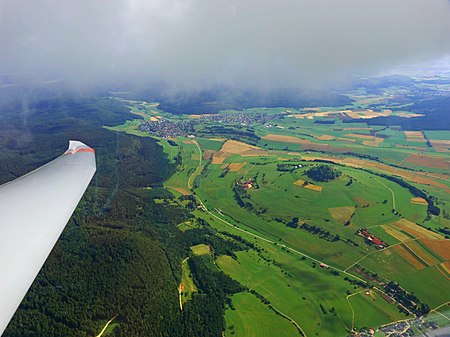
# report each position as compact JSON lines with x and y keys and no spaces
{"x":34,"y":209}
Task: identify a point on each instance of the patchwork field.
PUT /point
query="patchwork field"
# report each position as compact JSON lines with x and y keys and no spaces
{"x":281,"y":203}
{"x":305,"y":267}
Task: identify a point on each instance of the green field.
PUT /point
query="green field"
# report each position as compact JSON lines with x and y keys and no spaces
{"x":251,"y":318}
{"x":372,"y":310}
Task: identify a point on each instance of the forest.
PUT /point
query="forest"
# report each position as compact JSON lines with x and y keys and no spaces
{"x":121,"y":252}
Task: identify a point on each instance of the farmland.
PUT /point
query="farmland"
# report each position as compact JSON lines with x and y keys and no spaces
{"x":307,"y":270}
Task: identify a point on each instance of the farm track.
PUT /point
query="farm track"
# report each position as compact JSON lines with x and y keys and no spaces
{"x":392,"y":192}
{"x":351,"y":307}
{"x":180,"y":288}
{"x":106,"y":326}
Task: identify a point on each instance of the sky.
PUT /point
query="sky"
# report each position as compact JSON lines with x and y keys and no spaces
{"x":193,"y":43}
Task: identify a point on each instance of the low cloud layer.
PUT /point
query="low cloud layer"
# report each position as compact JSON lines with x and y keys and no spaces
{"x":197,"y":43}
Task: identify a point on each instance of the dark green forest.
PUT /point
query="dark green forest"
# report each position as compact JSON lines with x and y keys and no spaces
{"x":121,"y":252}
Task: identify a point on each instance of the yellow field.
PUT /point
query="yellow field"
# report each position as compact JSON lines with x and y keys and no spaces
{"x":419,"y":201}
{"x":341,"y":214}
{"x":395,"y":233}
{"x":417,"y":231}
{"x":231,"y":147}
{"x":153,"y":119}
{"x":234,"y":167}
{"x":313,"y":187}
{"x":414,"y":134}
{"x":326,"y":137}
{"x":371,"y":143}
{"x":309,"y":186}
{"x":235,"y":147}
{"x":299,"y":182}
{"x":200,"y":249}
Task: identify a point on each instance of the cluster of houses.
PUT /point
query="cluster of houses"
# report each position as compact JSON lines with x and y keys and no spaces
{"x":372,"y":239}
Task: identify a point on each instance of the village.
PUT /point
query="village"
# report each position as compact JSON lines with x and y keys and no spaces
{"x":166,"y":128}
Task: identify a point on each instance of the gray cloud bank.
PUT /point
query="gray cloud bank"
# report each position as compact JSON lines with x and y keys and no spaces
{"x":197,"y":43}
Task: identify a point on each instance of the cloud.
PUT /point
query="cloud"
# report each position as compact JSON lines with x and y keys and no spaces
{"x":197,"y":43}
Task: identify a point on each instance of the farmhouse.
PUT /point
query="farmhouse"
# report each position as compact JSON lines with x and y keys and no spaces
{"x":323,"y":265}
{"x":247,"y":185}
{"x":372,"y":239}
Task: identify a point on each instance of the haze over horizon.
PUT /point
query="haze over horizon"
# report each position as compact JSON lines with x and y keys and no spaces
{"x":196,"y":44}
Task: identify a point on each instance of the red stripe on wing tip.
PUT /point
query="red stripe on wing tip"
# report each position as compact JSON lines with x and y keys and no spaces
{"x":85,"y":149}
{"x":82,"y":149}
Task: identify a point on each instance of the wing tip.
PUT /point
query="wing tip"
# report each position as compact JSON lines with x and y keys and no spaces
{"x":77,"y":146}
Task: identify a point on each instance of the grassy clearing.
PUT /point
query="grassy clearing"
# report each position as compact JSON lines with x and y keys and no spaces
{"x":201,"y":249}
{"x":187,"y":285}
{"x":172,"y":151}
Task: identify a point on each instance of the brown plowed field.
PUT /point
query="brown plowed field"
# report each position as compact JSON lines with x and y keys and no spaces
{"x":440,"y":247}
{"x":428,"y":161}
